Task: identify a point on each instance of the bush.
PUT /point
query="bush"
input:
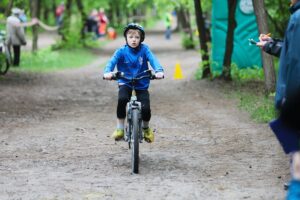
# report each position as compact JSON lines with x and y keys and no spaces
{"x":187,"y":42}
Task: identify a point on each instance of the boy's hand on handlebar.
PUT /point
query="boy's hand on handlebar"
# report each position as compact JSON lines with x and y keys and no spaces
{"x":108,"y":76}
{"x":159,"y":75}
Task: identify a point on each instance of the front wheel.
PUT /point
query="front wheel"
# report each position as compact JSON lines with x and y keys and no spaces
{"x":4,"y":62}
{"x":135,"y":141}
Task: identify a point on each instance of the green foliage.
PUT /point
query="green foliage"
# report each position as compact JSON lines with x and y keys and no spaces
{"x":2,"y":59}
{"x":278,"y":16}
{"x":206,"y":5}
{"x":199,"y":71}
{"x":260,"y":107}
{"x":251,"y":98}
{"x":47,"y":60}
{"x":245,"y":74}
{"x":187,"y":42}
{"x":249,"y":89}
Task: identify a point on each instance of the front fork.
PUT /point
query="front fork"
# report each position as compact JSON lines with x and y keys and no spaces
{"x":132,"y":105}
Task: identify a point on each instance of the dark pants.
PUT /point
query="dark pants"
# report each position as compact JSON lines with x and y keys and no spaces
{"x":17,"y":52}
{"x":124,"y":97}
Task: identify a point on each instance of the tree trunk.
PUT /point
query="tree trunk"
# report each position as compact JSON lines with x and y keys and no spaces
{"x":269,"y":71}
{"x":202,"y":38}
{"x":53,"y":7}
{"x":184,"y":24}
{"x":46,"y":12}
{"x":64,"y":30}
{"x":9,"y":7}
{"x":188,"y":20}
{"x":83,"y":18}
{"x":35,"y":5}
{"x":229,"y":40}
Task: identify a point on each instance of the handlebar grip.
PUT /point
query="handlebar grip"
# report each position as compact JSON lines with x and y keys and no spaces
{"x":153,"y":76}
{"x":115,"y":76}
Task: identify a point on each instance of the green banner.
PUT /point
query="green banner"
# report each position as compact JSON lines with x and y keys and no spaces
{"x":243,"y":55}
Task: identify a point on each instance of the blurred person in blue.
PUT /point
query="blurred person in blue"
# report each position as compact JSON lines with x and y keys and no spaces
{"x":287,"y":98}
{"x":168,"y":24}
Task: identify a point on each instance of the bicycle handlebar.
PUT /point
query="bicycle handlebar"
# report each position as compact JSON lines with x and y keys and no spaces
{"x":117,"y":75}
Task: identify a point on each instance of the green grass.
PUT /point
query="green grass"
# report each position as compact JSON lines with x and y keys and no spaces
{"x":247,"y":87}
{"x":251,"y":93}
{"x":260,"y":107}
{"x":46,"y":60}
{"x":250,"y":97}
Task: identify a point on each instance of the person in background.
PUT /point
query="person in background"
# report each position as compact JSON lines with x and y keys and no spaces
{"x":112,"y":34}
{"x":103,"y":21}
{"x":91,"y":24}
{"x":15,"y":35}
{"x":287,"y":96}
{"x":168,"y":25}
{"x":23,"y":18}
{"x":59,"y":13}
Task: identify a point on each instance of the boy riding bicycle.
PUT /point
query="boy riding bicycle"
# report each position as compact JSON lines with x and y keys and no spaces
{"x":132,"y":59}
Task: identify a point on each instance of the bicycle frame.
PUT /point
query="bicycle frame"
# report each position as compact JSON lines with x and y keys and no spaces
{"x":134,"y":134}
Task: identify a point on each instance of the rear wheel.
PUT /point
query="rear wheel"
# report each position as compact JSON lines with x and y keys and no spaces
{"x":135,"y":141}
{"x":4,"y":64}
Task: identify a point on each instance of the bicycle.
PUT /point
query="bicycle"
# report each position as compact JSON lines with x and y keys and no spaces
{"x":5,"y":57}
{"x":133,"y":131}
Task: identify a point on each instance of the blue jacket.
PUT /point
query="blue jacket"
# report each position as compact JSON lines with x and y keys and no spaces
{"x":289,"y":64}
{"x":132,"y":62}
{"x":294,"y":190}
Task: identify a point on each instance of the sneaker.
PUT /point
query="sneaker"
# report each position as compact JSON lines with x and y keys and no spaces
{"x":118,"y":134}
{"x":148,"y":135}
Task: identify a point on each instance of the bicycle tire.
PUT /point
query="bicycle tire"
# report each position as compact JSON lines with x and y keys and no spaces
{"x":135,"y":141}
{"x":4,"y":66}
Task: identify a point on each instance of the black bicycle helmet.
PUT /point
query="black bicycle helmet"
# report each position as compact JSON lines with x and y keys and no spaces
{"x":137,"y":27}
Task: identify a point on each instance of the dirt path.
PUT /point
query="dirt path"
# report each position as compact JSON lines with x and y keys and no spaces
{"x":55,"y":128}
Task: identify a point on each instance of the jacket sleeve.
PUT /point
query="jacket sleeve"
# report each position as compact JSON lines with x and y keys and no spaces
{"x":273,"y":47}
{"x":153,"y":61}
{"x":110,"y":66}
{"x":293,"y":61}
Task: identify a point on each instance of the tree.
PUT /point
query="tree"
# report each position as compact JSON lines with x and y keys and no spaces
{"x":229,"y":40}
{"x":65,"y":29}
{"x":269,"y":71}
{"x":83,"y":18}
{"x":277,"y":16}
{"x":35,"y":7}
{"x":9,"y":7}
{"x":202,"y":38}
